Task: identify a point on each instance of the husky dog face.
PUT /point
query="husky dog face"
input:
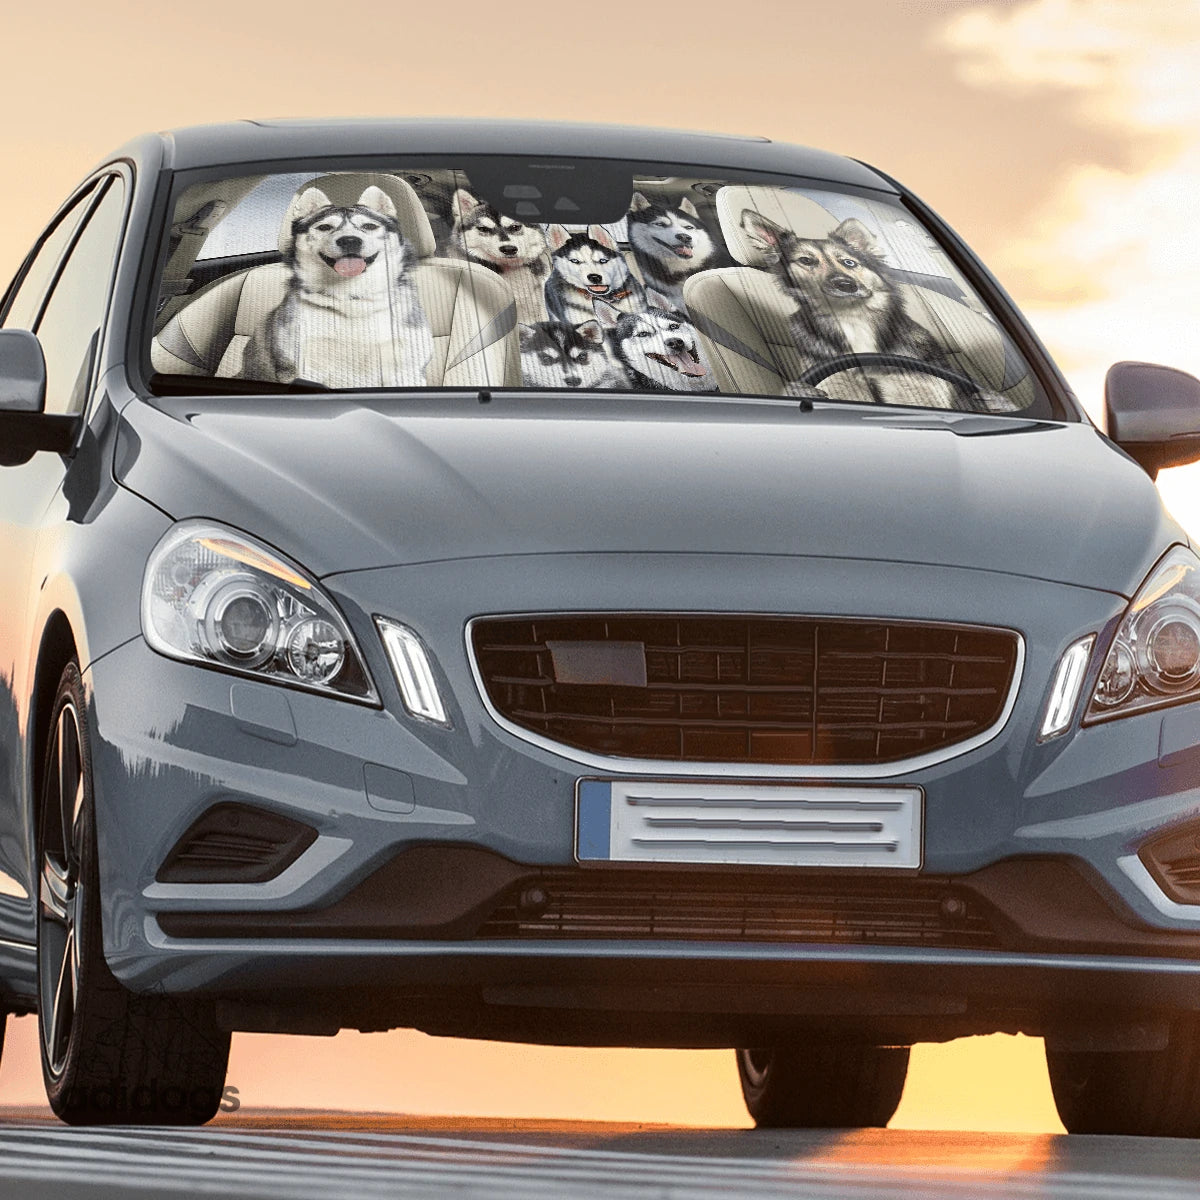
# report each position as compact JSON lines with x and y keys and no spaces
{"x":358,"y":249}
{"x":659,"y":345}
{"x":565,"y":356}
{"x":843,"y":268}
{"x":493,"y":239}
{"x":675,"y":238}
{"x":589,"y":261}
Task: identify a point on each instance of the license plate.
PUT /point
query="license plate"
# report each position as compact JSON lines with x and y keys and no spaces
{"x":747,"y":824}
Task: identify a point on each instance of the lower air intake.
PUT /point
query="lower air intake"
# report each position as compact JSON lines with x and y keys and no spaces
{"x":236,"y":843}
{"x":703,"y":906}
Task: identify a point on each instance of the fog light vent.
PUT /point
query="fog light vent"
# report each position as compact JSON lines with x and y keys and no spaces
{"x":235,"y":843}
{"x":1174,"y":861}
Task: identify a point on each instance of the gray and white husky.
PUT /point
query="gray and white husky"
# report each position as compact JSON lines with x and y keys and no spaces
{"x":669,"y":244}
{"x":352,"y":316}
{"x":587,"y":267}
{"x":517,"y":252}
{"x":568,"y":356}
{"x":657,"y":347}
{"x":848,"y":302}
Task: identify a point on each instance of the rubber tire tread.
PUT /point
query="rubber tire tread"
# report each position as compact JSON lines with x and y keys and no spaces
{"x":834,"y":1086}
{"x":132,"y":1058}
{"x":1144,"y":1093}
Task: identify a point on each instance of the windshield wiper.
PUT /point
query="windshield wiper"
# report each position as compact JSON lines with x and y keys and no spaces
{"x":204,"y":385}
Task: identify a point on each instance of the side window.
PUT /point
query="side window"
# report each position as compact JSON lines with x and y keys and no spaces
{"x":26,"y":301}
{"x":70,"y":325}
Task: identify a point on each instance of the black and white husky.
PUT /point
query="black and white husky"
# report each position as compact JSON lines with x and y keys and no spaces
{"x":568,"y":356}
{"x":669,"y":245}
{"x":848,"y":302}
{"x":351,"y":317}
{"x":656,"y":347}
{"x":587,"y":267}
{"x":517,"y":252}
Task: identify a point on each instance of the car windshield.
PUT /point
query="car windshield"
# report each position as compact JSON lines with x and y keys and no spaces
{"x":573,"y":276}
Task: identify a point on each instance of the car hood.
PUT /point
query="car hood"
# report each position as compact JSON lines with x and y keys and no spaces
{"x":344,"y":485}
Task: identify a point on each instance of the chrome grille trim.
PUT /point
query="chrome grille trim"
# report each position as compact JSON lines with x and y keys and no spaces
{"x":614,"y":764}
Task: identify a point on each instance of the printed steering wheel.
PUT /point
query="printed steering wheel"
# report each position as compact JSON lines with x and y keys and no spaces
{"x":821,"y":371}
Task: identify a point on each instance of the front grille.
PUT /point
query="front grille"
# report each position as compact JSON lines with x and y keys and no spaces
{"x":613,"y":904}
{"x":788,"y":690}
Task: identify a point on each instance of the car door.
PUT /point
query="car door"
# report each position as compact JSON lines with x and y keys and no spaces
{"x":62,"y":296}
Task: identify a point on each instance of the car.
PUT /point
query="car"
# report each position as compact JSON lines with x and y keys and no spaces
{"x":580,"y":585}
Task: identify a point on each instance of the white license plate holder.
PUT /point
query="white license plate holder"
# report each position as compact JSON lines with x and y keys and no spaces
{"x":748,"y":824}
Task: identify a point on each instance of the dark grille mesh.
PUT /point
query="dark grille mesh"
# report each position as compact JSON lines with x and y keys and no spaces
{"x":746,"y":689}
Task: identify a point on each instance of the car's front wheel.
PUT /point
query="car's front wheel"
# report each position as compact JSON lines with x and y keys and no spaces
{"x":828,"y":1086}
{"x":1151,"y":1093}
{"x":108,"y":1055}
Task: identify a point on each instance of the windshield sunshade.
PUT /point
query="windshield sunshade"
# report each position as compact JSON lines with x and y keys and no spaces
{"x":451,"y":278}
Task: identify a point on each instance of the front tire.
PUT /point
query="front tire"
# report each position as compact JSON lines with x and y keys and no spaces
{"x":828,"y":1086}
{"x":1146,"y":1093}
{"x":109,"y":1055}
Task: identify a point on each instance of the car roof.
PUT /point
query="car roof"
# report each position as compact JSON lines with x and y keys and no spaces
{"x":252,"y":141}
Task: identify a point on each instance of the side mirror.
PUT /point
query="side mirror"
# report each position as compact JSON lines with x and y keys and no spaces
{"x":1153,"y":414}
{"x":24,"y":427}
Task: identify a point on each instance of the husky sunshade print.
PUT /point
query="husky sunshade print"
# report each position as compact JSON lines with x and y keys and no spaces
{"x":412,"y":278}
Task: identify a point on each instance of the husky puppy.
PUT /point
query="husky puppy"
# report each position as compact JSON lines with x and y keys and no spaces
{"x":657,"y":347}
{"x":848,"y":302}
{"x":586,"y":267}
{"x":351,"y":317}
{"x":568,"y":356}
{"x":669,"y":244}
{"x":515,"y":251}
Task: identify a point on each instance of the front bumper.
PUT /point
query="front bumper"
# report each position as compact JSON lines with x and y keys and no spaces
{"x":171,"y":740}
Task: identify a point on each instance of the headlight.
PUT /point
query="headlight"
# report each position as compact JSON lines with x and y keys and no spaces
{"x":212,"y":595}
{"x":1155,"y":658}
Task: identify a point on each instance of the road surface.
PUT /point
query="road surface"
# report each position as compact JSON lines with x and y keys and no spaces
{"x":328,"y":1156}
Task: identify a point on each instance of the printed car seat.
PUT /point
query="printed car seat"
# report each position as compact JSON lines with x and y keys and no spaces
{"x":470,"y":311}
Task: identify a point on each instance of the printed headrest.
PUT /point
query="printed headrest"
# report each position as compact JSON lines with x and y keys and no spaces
{"x":344,"y":189}
{"x":805,"y":217}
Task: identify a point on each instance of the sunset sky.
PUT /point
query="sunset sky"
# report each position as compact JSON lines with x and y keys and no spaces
{"x":1060,"y":137}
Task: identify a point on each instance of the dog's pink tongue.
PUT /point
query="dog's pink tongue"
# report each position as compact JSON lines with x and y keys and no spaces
{"x":349,"y":267}
{"x":685,"y":364}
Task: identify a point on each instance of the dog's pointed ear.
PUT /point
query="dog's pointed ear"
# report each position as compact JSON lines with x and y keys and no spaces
{"x":599,"y":234}
{"x":638,"y":202}
{"x":527,"y":333}
{"x":377,"y":200}
{"x":607,"y":314}
{"x":763,"y":233}
{"x":463,"y":204}
{"x":557,"y":236}
{"x":591,"y":331}
{"x":658,"y":300}
{"x":309,"y":201}
{"x":856,"y":235}
{"x":686,"y":205}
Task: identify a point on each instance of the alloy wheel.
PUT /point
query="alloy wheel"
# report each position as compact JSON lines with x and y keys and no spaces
{"x":61,"y":892}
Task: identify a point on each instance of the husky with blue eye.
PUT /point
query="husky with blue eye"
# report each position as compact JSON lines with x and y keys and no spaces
{"x":587,"y":267}
{"x":352,"y":317}
{"x":848,"y":302}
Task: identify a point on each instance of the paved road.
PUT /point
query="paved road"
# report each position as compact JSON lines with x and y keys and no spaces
{"x":302,"y":1155}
